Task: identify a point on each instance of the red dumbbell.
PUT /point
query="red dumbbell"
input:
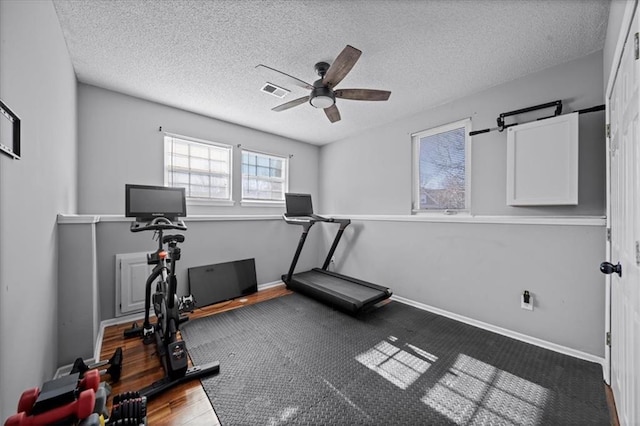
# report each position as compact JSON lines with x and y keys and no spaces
{"x":81,"y":408}
{"x":27,"y":399}
{"x":91,"y":380}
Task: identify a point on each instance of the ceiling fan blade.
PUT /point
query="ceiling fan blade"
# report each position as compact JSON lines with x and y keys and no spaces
{"x":362,"y":94}
{"x":341,"y":66}
{"x":332,"y":113}
{"x":291,"y":104}
{"x":291,"y":78}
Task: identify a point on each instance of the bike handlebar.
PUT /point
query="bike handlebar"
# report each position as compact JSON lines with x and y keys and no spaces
{"x":158,"y":223}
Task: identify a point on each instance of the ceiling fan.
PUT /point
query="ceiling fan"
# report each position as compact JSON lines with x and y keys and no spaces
{"x":323,"y":94}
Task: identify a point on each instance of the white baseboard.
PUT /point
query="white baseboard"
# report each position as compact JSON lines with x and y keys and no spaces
{"x":270,"y":285}
{"x":504,"y":332}
{"x":66,"y":369}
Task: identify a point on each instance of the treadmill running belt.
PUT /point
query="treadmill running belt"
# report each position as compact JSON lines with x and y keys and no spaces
{"x":341,"y":291}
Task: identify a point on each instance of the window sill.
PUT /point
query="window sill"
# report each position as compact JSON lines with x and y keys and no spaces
{"x":258,"y":203}
{"x":441,"y":213}
{"x":206,"y":202}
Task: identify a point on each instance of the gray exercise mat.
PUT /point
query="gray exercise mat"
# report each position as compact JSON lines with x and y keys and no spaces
{"x":292,"y":360}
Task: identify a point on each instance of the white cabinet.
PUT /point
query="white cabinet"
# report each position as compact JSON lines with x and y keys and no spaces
{"x":542,"y":162}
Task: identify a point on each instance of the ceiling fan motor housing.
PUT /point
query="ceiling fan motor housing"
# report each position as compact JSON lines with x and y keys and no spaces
{"x":321,"y":96}
{"x":322,"y":68}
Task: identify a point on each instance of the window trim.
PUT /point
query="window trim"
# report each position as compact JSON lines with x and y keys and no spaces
{"x":415,"y":190}
{"x":201,"y":201}
{"x":251,"y":202}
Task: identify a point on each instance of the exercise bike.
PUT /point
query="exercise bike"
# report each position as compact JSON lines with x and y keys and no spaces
{"x":166,"y":305}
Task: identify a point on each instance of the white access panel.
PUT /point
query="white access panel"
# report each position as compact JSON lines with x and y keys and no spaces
{"x":132,"y":271}
{"x":542,"y":162}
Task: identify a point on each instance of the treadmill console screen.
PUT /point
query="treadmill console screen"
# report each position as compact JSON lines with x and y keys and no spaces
{"x":298,"y":204}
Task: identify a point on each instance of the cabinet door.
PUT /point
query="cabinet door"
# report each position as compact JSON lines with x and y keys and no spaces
{"x":542,"y":162}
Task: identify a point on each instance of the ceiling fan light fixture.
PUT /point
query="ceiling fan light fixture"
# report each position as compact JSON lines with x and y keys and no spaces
{"x":322,"y":101}
{"x":322,"y":97}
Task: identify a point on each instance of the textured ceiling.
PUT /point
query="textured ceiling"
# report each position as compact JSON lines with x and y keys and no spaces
{"x":201,"y":56}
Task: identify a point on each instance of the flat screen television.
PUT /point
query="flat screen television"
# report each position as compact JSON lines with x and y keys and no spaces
{"x":298,"y":204}
{"x":146,"y":202}
{"x":211,"y":284}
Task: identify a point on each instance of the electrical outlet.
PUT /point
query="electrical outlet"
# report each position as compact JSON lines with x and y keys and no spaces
{"x":525,"y":305}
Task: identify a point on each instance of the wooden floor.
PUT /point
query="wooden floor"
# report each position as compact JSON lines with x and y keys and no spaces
{"x":612,"y":406}
{"x":186,"y":404}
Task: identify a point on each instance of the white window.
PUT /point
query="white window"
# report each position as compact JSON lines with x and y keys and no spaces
{"x":202,"y":168}
{"x":264,"y":177}
{"x":441,"y":160}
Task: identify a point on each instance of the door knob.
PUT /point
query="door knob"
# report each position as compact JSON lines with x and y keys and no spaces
{"x":610,"y":268}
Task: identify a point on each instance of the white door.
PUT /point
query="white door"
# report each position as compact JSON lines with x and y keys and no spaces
{"x":624,"y":221}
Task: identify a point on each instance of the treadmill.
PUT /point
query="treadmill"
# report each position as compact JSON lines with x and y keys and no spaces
{"x":346,"y":293}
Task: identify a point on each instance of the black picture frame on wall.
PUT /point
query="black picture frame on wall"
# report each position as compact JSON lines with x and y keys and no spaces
{"x":9,"y":132}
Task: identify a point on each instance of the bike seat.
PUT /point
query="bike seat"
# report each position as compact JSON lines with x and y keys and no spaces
{"x":179,"y":238}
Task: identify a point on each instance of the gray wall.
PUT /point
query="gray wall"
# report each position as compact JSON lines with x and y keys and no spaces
{"x":371,"y":173}
{"x":38,"y":83}
{"x":270,"y":241}
{"x":120,"y":142}
{"x":88,"y":252}
{"x":478,"y":270}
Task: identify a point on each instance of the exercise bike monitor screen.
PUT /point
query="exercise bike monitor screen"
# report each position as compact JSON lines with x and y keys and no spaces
{"x":298,"y":205}
{"x":146,"y":202}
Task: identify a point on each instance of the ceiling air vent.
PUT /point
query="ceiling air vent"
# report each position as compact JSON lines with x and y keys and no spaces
{"x":274,"y":90}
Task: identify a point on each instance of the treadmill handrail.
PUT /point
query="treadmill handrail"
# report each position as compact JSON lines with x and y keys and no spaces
{"x":313,"y":218}
{"x":307,"y":222}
